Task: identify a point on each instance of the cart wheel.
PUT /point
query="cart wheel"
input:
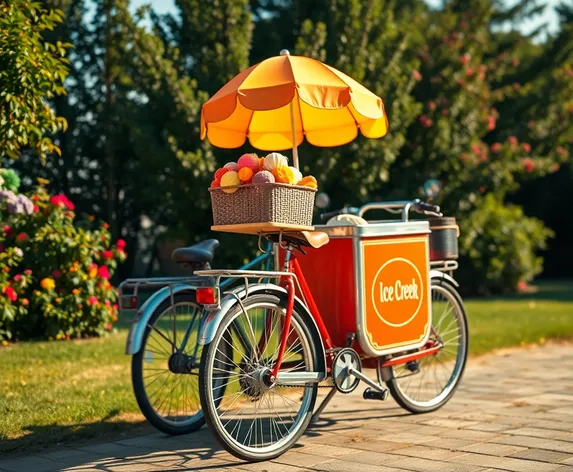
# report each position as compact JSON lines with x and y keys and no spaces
{"x":165,"y":383}
{"x":430,"y":382}
{"x":254,"y":419}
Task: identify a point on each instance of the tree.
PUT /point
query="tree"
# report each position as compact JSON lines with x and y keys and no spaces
{"x":32,"y":72}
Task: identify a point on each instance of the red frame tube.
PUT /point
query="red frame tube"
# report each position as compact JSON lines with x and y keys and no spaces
{"x":412,"y":357}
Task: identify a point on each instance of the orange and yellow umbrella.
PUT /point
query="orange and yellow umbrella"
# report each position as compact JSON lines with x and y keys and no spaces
{"x":283,"y":99}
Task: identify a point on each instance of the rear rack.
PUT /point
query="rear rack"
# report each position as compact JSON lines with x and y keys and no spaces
{"x":444,"y":266}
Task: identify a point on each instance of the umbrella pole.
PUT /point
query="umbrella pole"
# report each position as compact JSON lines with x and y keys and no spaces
{"x":294,"y":146}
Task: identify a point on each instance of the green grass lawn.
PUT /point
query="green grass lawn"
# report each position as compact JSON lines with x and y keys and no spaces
{"x":60,"y":392}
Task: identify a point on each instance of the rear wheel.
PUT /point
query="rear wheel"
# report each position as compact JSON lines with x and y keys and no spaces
{"x":164,"y":376}
{"x":427,"y":384}
{"x":254,"y":419}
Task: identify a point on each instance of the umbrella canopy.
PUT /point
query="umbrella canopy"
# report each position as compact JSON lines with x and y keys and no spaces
{"x":279,"y":101}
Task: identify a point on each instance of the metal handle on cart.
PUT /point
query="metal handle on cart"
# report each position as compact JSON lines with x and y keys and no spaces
{"x":403,"y":207}
{"x":343,"y":211}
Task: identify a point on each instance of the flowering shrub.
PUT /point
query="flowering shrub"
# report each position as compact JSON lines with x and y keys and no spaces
{"x":54,"y":271}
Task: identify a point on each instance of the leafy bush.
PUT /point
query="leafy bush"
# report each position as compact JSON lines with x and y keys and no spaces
{"x":498,"y":246}
{"x":54,"y":271}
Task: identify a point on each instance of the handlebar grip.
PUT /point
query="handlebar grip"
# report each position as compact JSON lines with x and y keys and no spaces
{"x":423,"y":207}
{"x":342,"y":211}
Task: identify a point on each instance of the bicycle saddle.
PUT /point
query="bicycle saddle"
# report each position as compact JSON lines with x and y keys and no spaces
{"x":202,"y":252}
{"x":314,"y":239}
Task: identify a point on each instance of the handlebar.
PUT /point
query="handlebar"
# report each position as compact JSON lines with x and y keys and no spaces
{"x":395,"y":207}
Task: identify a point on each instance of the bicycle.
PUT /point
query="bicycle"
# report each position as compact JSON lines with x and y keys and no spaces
{"x":163,"y":336}
{"x":266,"y":346}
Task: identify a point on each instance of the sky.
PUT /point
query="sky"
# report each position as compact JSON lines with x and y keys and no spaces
{"x":549,"y":16}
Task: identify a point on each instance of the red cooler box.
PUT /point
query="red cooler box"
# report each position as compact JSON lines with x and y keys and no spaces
{"x":373,"y":280}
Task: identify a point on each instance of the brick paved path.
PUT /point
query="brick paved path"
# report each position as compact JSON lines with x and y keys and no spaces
{"x":514,"y":411}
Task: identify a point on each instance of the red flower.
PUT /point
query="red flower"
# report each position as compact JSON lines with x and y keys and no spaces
{"x":431,"y":106}
{"x":103,"y":272}
{"x":425,"y":121}
{"x":36,"y":208}
{"x":465,"y":59}
{"x":476,"y":148}
{"x":445,"y":112}
{"x":1,"y":247}
{"x":115,"y":306}
{"x":512,"y":140}
{"x":22,"y":237}
{"x":92,"y":300}
{"x":105,"y":226}
{"x":526,"y":147}
{"x":62,"y":201}
{"x":56,"y":274}
{"x":120,"y":244}
{"x":496,"y":147}
{"x":460,"y":82}
{"x":28,"y":272}
{"x":470,"y":72}
{"x":417,"y":76}
{"x":10,"y":293}
{"x":18,"y":277}
{"x":35,"y":198}
{"x":528,"y":165}
{"x":482,"y":189}
{"x":555,"y":167}
{"x":107,"y":303}
{"x":7,"y":230}
{"x":490,"y":123}
{"x":107,"y":254}
{"x":108,"y":327}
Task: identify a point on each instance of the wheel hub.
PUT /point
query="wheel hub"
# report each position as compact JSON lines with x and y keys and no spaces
{"x":256,"y":381}
{"x":181,"y":363}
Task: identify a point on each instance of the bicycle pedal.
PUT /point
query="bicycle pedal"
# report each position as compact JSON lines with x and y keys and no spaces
{"x":371,"y":394}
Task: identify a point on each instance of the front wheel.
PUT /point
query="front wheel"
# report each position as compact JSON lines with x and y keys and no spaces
{"x":253,"y":418}
{"x":427,"y":384}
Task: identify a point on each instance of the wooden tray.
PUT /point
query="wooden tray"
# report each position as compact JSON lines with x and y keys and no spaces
{"x":259,"y":228}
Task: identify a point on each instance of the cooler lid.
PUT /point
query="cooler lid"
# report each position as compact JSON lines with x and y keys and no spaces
{"x":376,"y":228}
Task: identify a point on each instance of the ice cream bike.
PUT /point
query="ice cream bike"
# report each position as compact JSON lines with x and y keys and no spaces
{"x":350,"y":294}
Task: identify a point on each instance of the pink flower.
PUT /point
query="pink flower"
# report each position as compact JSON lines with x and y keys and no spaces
{"x":526,"y":147}
{"x":465,"y":59}
{"x":431,"y":106}
{"x":56,"y":274}
{"x":108,"y":327}
{"x":561,"y":151}
{"x":107,"y":254}
{"x":470,"y":72}
{"x":120,"y":244}
{"x":496,"y":147}
{"x":107,"y":303}
{"x":445,"y":112}
{"x":7,"y":230}
{"x":18,"y":277}
{"x":512,"y":140}
{"x":528,"y":165}
{"x":92,"y":300}
{"x":103,"y":272}
{"x":490,"y":123}
{"x":476,"y":148}
{"x":417,"y":76}
{"x":22,"y":237}
{"x":28,"y":272}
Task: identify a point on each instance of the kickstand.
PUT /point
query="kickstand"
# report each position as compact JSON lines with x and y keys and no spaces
{"x":322,"y":406}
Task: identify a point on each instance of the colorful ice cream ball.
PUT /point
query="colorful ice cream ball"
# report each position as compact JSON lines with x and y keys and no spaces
{"x":245,"y":175}
{"x":231,"y":166}
{"x":274,"y":160}
{"x":250,"y":161}
{"x":308,"y":181}
{"x":220,"y":172}
{"x":263,"y":177}
{"x":215,"y":184}
{"x":297,"y":174}
{"x":283,"y":175}
{"x":230,"y":179}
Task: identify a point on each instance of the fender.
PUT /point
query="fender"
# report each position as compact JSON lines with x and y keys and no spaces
{"x":143,"y":315}
{"x":214,"y":319}
{"x":437,"y":274}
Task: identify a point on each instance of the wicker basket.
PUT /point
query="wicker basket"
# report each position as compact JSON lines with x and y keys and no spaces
{"x":263,"y":203}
